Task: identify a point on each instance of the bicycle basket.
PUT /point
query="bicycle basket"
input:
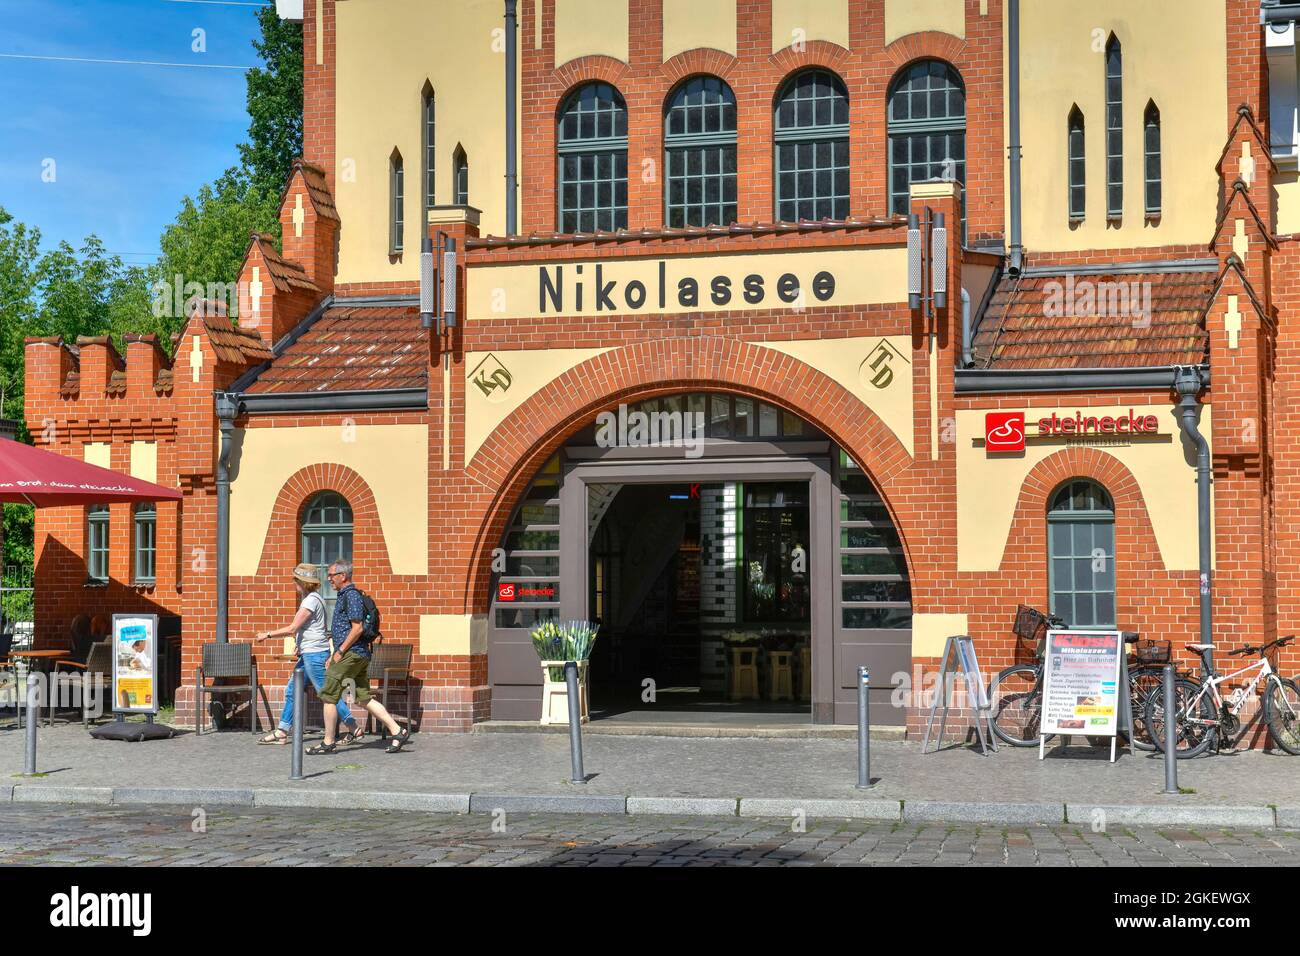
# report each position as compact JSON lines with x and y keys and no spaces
{"x":1030,"y":630}
{"x":1151,"y":652}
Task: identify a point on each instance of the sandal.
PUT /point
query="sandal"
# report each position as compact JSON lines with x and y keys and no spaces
{"x":323,"y":748}
{"x":397,"y":742}
{"x":274,"y":738}
{"x":353,"y":736}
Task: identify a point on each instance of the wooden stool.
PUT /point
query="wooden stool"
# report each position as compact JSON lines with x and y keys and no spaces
{"x":780,"y":675}
{"x":805,"y":673}
{"x":742,"y":681}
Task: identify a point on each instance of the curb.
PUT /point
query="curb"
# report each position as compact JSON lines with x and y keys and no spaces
{"x":1268,"y":817}
{"x":934,"y":811}
{"x":1156,"y":815}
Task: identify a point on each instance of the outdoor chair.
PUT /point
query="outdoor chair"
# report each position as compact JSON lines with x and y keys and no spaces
{"x":391,"y":665}
{"x":98,"y":675}
{"x":225,"y":661}
{"x":9,"y":672}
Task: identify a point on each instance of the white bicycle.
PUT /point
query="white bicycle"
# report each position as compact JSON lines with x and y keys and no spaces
{"x":1204,"y":717}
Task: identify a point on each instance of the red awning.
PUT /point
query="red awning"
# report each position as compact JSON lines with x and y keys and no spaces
{"x":33,"y":476}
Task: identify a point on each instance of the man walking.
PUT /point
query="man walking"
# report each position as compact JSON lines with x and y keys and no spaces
{"x":351,"y":662}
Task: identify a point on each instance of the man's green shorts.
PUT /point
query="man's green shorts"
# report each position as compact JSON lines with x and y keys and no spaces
{"x":351,"y":668}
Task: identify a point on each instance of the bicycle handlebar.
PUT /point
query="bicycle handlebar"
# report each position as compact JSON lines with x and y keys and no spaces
{"x":1261,"y":648}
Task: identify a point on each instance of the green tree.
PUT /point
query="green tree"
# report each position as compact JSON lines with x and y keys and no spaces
{"x":274,"y":103}
{"x":19,"y":256}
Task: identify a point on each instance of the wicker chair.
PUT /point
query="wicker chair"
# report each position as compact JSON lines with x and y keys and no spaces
{"x":226,"y":660}
{"x":98,"y":674}
{"x":390,"y":664}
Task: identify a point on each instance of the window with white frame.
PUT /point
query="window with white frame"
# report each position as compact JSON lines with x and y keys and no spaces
{"x":145,"y":569}
{"x":97,"y":542}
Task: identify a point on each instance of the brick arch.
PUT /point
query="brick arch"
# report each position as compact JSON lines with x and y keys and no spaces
{"x":588,"y":69}
{"x":701,"y":60}
{"x":928,"y":45}
{"x":520,"y":445}
{"x":823,"y":53}
{"x":282,"y":535}
{"x":1137,"y":553}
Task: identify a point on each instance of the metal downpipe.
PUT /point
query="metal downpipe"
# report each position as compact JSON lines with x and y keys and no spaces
{"x":1188,"y":384}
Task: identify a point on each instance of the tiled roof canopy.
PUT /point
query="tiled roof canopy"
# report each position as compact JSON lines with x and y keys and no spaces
{"x":1116,"y":320}
{"x":351,"y":348}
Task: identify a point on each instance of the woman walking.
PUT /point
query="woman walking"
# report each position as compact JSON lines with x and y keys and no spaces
{"x":312,"y":647}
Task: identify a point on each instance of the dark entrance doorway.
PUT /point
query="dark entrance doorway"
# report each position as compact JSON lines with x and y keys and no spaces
{"x":703,"y":592}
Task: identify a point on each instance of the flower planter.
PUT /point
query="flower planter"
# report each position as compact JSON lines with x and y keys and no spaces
{"x":555,"y":694}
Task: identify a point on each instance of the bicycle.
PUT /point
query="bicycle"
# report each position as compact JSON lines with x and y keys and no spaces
{"x":1204,"y":718}
{"x":1016,"y":693}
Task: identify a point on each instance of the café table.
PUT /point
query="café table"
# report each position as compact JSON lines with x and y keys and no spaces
{"x":44,"y":660}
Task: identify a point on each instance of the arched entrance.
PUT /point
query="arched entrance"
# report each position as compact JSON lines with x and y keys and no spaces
{"x":738,"y":561}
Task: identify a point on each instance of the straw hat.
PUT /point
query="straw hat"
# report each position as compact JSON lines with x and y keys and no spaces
{"x":307,"y":573}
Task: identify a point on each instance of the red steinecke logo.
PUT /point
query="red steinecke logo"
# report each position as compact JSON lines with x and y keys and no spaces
{"x":1004,"y":431}
{"x":505,"y":592}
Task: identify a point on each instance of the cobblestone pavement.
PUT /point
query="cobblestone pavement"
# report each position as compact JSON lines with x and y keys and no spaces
{"x":165,"y":836}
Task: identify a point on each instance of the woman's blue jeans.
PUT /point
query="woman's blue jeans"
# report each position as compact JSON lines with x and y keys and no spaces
{"x":314,"y":666}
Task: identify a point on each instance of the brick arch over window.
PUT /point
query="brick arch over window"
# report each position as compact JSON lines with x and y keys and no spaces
{"x":1138,"y":561}
{"x":816,"y":54}
{"x":520,"y":445}
{"x":587,"y":69}
{"x":280,"y":551}
{"x":696,"y":62}
{"x":930,"y":45}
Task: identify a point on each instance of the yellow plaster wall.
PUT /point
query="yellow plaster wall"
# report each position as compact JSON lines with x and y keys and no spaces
{"x":844,"y":359}
{"x":1174,"y":51}
{"x":689,"y":24}
{"x":144,"y":461}
{"x":386,"y":50}
{"x":1286,"y":193}
{"x":916,"y":16}
{"x":453,"y":634}
{"x":590,"y":27}
{"x":393,"y":460}
{"x":862,"y":277}
{"x":930,"y":631}
{"x":97,"y":453}
{"x":988,"y":488}
{"x":815,"y":19}
{"x":529,"y":371}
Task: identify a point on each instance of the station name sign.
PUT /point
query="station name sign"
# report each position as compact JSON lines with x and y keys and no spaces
{"x":578,"y":289}
{"x":688,"y":284}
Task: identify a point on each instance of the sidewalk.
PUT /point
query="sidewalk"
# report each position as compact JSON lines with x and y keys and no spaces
{"x":749,"y":777}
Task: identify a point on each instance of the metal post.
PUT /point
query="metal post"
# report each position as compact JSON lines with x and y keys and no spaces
{"x":1171,"y":732}
{"x":864,"y":731}
{"x":33,"y":720}
{"x":575,"y":720}
{"x":299,"y":702}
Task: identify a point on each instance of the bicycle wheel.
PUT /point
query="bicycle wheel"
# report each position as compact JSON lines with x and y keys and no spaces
{"x":1016,"y":697}
{"x":1191,"y":739}
{"x":1282,"y":711}
{"x":1141,"y":682}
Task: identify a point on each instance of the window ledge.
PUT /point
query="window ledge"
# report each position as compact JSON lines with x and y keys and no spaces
{"x":144,"y":587}
{"x":94,"y":583}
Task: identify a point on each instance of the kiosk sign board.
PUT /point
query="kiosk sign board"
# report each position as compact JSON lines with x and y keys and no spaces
{"x":135,"y":663}
{"x":1081,"y":681}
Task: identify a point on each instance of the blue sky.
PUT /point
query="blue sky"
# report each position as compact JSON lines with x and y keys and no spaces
{"x":127,"y":141}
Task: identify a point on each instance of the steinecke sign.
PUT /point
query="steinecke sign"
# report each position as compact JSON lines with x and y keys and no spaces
{"x":685,"y":284}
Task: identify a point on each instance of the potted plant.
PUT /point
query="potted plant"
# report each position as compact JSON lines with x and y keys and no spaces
{"x":555,"y":644}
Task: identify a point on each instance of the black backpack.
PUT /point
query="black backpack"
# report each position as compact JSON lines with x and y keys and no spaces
{"x":370,"y":633}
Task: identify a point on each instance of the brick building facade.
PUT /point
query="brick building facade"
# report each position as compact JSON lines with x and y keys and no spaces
{"x":443,"y":443}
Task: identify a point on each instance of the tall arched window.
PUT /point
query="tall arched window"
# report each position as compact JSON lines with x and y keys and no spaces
{"x":427,"y":152}
{"x":927,"y":129}
{"x":1114,"y":129}
{"x":1151,"y":158}
{"x":327,"y":537}
{"x":592,"y":155}
{"x":1081,"y":554}
{"x":700,"y":154}
{"x":397,"y":203}
{"x":812,"y":148}
{"x":460,"y":177}
{"x":1078,"y":191}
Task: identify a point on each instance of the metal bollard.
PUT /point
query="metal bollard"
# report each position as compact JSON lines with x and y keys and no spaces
{"x":33,"y":720}
{"x":575,"y":720}
{"x":299,"y":703}
{"x":864,"y":731}
{"x":1171,"y":732}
